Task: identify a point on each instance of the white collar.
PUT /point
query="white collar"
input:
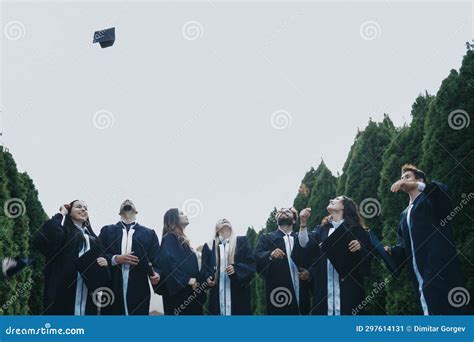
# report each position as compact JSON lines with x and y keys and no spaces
{"x":288,"y":234}
{"x":132,"y":225}
{"x":411,"y":201}
{"x":336,"y":224}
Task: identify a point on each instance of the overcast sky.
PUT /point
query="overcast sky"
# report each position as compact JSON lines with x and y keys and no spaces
{"x":216,"y":106}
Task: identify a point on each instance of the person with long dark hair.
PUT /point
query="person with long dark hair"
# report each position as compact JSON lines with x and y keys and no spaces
{"x":228,"y":265}
{"x":63,"y":239}
{"x":181,"y":288}
{"x":333,"y":294}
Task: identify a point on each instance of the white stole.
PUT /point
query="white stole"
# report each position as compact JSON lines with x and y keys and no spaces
{"x":81,"y":288}
{"x":224,"y":280}
{"x":126,"y":248}
{"x":419,"y":278}
{"x":289,"y":243}
{"x":334,"y":291}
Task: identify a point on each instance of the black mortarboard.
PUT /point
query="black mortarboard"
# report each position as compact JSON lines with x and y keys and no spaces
{"x":11,"y":266}
{"x":336,"y":247}
{"x":144,"y":263}
{"x":380,"y":251}
{"x":94,"y":276}
{"x":105,"y":38}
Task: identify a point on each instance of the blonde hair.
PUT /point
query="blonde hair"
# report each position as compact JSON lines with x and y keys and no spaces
{"x":215,"y":242}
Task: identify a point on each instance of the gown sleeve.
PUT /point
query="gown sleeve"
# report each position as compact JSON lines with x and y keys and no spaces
{"x":171,"y":258}
{"x":262,"y":255}
{"x":438,"y":194}
{"x":398,"y":250}
{"x":245,"y":268}
{"x":153,"y":252}
{"x":50,"y":237}
{"x":364,"y":253}
{"x":206,"y":267}
{"x":107,"y":244}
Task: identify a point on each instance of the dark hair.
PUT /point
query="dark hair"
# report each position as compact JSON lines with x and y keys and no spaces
{"x":86,"y":223}
{"x":350,"y":214}
{"x":171,"y":225}
{"x":417,"y":172}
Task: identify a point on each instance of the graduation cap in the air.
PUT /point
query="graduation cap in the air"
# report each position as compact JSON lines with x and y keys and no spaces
{"x":94,"y":276}
{"x":380,"y":251}
{"x":144,"y":263}
{"x":105,"y":38}
{"x":11,"y":266}
{"x":337,"y":251}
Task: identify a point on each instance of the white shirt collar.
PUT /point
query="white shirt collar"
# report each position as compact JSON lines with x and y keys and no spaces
{"x":279,"y":228}
{"x":336,"y":224}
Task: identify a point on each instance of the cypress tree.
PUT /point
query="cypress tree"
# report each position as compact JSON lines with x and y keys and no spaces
{"x":448,"y":154}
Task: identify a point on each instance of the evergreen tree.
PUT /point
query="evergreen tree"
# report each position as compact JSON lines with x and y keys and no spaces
{"x":7,"y":247}
{"x":324,"y":188}
{"x":257,"y":286}
{"x":20,"y":234}
{"x":448,"y":153}
{"x":361,"y":182}
{"x":37,"y":217}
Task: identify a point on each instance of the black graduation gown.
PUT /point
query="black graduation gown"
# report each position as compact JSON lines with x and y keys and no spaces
{"x":434,"y":245}
{"x":144,"y":240}
{"x":179,"y":264}
{"x":276,"y":272}
{"x":244,"y":266}
{"x":352,"y":286}
{"x":61,"y":245}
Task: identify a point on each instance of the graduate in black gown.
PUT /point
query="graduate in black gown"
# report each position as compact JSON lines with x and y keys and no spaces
{"x":282,"y":269}
{"x":62,"y":240}
{"x":133,"y":250}
{"x":228,"y":265}
{"x":182,"y":287}
{"x":332,"y":294}
{"x":426,"y":243}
